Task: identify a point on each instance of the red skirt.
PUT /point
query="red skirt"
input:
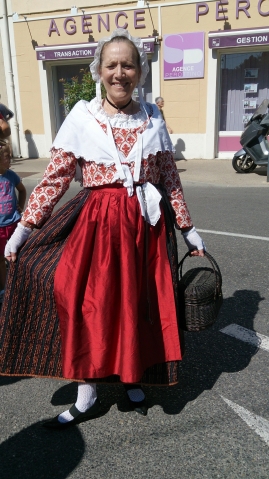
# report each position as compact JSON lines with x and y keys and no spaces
{"x":114,"y":292}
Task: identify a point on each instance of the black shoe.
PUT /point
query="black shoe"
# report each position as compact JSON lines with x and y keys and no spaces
{"x":137,"y":406}
{"x":77,"y":415}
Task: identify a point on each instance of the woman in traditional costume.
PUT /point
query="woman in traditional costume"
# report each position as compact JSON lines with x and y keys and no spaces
{"x":92,"y":294}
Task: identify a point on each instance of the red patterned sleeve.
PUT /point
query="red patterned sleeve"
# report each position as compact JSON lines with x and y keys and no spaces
{"x":55,"y":182}
{"x":171,"y":181}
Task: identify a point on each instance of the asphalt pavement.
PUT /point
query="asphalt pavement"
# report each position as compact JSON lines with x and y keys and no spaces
{"x":215,"y":422}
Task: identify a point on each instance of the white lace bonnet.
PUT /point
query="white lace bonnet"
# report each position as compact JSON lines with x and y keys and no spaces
{"x":95,"y":65}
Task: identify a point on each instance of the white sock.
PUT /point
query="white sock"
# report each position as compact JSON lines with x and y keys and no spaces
{"x":136,"y":394}
{"x":86,"y":398}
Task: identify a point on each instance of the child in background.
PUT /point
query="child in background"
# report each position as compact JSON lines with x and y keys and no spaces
{"x":10,"y":206}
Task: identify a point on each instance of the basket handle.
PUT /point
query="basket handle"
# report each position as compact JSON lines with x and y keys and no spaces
{"x":213,"y":263}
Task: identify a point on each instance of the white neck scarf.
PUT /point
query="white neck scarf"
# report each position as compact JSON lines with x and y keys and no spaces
{"x":82,"y":135}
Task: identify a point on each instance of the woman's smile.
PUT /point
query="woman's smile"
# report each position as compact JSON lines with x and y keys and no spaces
{"x":119,"y":72}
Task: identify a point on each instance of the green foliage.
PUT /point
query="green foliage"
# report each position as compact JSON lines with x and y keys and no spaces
{"x":80,"y":87}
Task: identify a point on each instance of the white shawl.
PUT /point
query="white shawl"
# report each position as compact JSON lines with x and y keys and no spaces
{"x":82,"y":135}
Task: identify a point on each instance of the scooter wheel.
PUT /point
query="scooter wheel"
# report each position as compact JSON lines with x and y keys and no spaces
{"x":243,"y":164}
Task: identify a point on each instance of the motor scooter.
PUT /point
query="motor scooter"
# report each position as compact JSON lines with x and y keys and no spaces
{"x":254,"y":141}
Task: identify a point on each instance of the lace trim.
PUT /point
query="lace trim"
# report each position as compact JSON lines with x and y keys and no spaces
{"x":119,"y":120}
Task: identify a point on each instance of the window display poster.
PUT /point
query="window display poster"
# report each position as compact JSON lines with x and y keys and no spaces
{"x":232,"y":81}
{"x":184,"y":55}
{"x":250,"y":103}
{"x":135,"y":93}
{"x":251,"y":72}
{"x":246,"y":118}
{"x":250,"y":87}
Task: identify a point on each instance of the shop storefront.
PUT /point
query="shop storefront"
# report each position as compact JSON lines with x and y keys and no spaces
{"x":209,"y":60}
{"x":60,"y":62}
{"x":243,"y":70}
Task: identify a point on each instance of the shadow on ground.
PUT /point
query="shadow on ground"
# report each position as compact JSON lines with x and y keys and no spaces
{"x":6,"y":380}
{"x":208,"y":354}
{"x":40,"y":454}
{"x":261,"y":171}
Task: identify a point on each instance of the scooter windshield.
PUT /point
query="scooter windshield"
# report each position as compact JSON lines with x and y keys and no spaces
{"x":262,"y":109}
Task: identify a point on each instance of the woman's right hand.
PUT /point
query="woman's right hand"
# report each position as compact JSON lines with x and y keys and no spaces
{"x":19,"y":237}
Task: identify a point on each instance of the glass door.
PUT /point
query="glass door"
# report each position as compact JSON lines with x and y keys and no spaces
{"x":66,"y":73}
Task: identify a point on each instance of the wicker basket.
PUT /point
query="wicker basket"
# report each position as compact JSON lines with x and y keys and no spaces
{"x":200,"y":295}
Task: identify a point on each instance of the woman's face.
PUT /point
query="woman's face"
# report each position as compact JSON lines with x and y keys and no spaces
{"x":119,"y":71}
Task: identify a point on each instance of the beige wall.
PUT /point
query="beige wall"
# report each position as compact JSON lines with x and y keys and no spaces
{"x":41,"y":6}
{"x":3,"y":89}
{"x":29,"y":82}
{"x":39,"y":29}
{"x":185,"y":100}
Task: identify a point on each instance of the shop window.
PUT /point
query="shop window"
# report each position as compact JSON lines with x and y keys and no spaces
{"x":66,"y":72}
{"x":244,"y":85}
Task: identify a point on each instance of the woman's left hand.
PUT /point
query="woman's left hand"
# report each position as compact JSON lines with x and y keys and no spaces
{"x":197,"y":252}
{"x":194,"y":242}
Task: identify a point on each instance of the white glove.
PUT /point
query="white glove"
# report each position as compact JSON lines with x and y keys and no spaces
{"x":19,"y":237}
{"x":193,"y":240}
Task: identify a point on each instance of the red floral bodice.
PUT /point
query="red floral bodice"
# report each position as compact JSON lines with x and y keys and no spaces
{"x":159,"y":168}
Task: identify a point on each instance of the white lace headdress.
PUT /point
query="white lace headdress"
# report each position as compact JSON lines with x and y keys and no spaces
{"x":95,"y":65}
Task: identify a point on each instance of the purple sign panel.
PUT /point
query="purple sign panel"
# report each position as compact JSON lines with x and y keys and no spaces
{"x":238,"y":40}
{"x":80,"y":51}
{"x":62,"y":53}
{"x":184,"y":55}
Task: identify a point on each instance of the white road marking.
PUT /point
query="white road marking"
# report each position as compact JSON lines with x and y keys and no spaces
{"x":263,"y":238}
{"x":257,"y":423}
{"x":247,"y":335}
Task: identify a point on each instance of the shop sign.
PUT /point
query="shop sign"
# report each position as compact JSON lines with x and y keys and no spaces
{"x":71,"y":25}
{"x":183,"y":56}
{"x":239,"y":7}
{"x":247,"y":39}
{"x":79,"y":51}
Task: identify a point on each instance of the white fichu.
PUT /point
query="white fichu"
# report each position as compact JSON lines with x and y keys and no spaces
{"x":95,"y":65}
